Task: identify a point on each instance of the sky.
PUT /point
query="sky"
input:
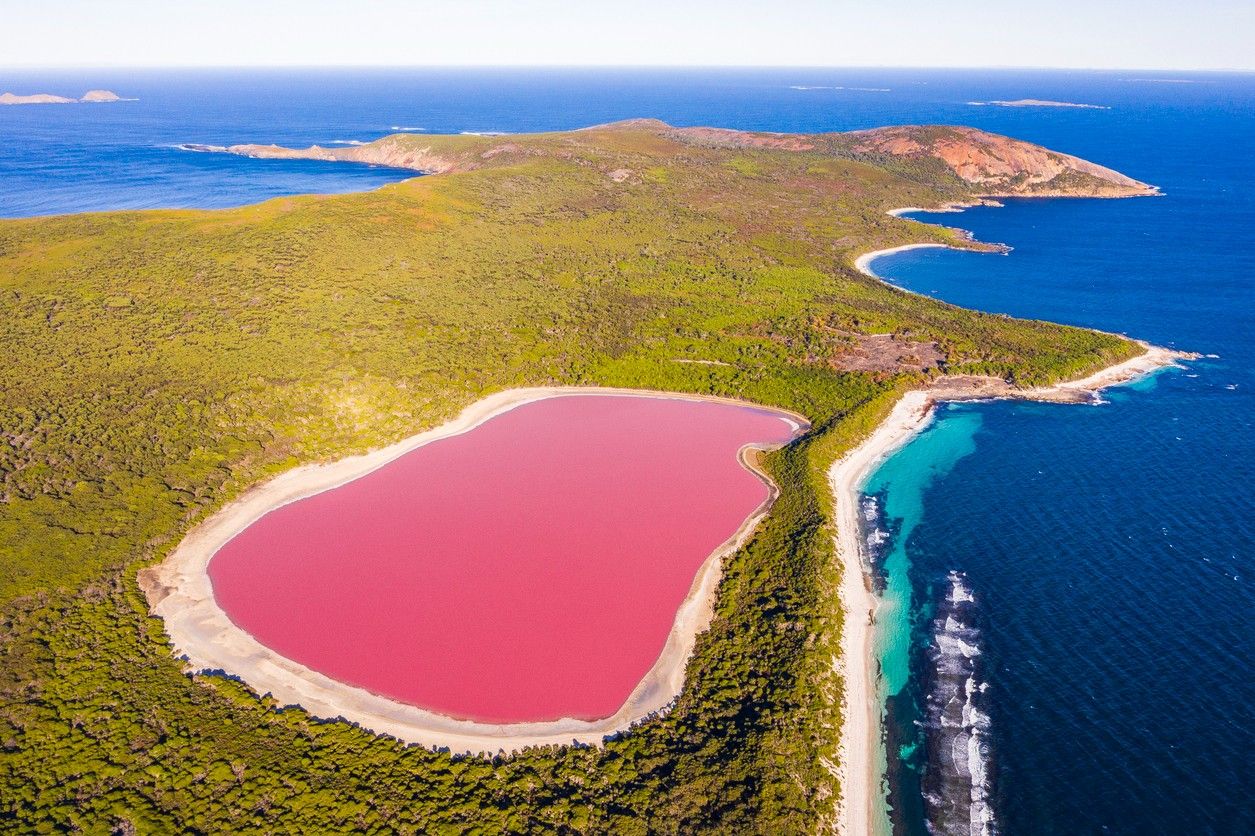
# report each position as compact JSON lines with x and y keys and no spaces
{"x":1148,"y":34}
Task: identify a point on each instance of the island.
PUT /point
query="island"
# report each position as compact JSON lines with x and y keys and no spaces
{"x":102,"y":96}
{"x":1040,"y":103}
{"x":90,"y":97}
{"x":37,"y":98}
{"x":258,"y":345}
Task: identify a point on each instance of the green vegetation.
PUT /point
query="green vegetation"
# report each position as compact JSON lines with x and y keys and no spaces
{"x":158,"y":363}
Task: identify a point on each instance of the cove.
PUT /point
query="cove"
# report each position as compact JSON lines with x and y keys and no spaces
{"x":527,"y":569}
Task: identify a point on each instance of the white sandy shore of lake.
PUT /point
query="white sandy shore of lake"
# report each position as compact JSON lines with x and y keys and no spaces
{"x":861,"y":733}
{"x":180,"y":592}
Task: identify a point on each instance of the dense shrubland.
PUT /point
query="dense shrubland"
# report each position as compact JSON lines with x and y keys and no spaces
{"x":157,"y":363}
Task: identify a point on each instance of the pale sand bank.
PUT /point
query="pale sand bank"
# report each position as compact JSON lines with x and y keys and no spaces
{"x":180,"y":592}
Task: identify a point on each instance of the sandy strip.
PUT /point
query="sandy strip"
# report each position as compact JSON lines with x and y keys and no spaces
{"x":180,"y":592}
{"x":1155,"y":358}
{"x":863,"y":262}
{"x":952,"y":206}
{"x":860,"y":731}
{"x":861,"y":810}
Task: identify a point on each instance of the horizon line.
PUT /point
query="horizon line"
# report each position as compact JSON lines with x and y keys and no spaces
{"x":587,"y":66}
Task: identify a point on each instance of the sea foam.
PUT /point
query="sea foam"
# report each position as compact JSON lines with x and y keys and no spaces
{"x":957,"y":776}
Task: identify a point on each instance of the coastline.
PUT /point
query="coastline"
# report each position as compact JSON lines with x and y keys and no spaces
{"x":179,"y":591}
{"x":863,"y":262}
{"x":860,"y":728}
{"x":860,"y":811}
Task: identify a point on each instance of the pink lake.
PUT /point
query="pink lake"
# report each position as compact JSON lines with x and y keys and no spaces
{"x":528,"y":569}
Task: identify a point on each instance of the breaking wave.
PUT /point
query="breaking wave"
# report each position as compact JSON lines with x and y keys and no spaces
{"x":958,"y":781}
{"x":878,"y":533}
{"x":199,"y":148}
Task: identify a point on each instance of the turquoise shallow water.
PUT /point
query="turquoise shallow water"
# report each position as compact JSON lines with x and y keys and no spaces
{"x":1108,"y":551}
{"x":900,"y":485}
{"x":893,"y":507}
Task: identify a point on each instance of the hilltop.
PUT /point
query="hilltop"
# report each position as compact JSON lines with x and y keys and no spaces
{"x":100,"y":96}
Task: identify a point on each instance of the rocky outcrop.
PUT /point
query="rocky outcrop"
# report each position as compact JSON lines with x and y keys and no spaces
{"x":395,"y":152}
{"x":999,"y":166}
{"x":101,"y":96}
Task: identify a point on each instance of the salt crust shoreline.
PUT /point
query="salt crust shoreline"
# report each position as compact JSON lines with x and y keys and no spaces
{"x":857,"y":770}
{"x":180,"y":592}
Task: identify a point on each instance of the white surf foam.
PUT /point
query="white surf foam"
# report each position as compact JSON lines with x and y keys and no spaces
{"x":199,"y":148}
{"x":958,"y":793}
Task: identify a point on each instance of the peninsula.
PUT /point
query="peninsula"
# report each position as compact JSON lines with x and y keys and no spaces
{"x":167,"y":367}
{"x":992,"y":165}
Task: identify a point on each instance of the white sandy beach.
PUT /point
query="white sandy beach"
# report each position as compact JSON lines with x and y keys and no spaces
{"x":863,"y":262}
{"x":179,"y":590}
{"x":860,"y":732}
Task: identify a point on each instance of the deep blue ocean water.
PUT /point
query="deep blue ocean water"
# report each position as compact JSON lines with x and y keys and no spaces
{"x":1109,"y":551}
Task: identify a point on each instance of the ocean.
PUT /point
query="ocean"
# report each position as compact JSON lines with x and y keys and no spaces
{"x":1068,"y":646}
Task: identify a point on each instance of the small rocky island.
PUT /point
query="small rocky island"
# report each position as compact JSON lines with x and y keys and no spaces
{"x":1040,"y":103}
{"x":90,"y":97}
{"x":96,"y":96}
